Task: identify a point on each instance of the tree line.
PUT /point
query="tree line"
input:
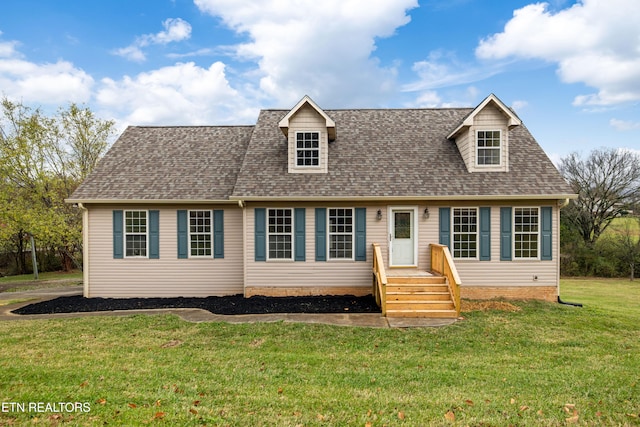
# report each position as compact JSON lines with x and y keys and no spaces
{"x":43,"y":159}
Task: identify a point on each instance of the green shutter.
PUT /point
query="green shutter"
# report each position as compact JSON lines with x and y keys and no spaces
{"x":299,"y":227}
{"x":118,"y":237}
{"x":445,"y":226}
{"x":218,"y":234}
{"x":321,"y":234}
{"x":361,"y":234}
{"x":183,"y":234}
{"x":260,"y":234}
{"x":154,"y":234}
{"x":546,"y":253}
{"x":485,"y":234}
{"x":505,"y":233}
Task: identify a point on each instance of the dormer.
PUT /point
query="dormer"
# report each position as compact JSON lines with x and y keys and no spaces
{"x":308,"y":130}
{"x":483,"y":136}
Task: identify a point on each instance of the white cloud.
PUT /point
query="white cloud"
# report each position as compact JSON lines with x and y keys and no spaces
{"x":519,"y":105}
{"x":593,"y":42}
{"x":175,"y":30}
{"x":183,"y":94}
{"x":49,"y":84}
{"x":320,"y":48}
{"x":624,"y":125}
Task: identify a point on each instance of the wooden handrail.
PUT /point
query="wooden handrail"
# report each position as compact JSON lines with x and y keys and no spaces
{"x":442,"y":263}
{"x":379,"y":279}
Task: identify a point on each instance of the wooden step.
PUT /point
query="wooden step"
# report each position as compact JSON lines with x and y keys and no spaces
{"x":419,"y":305}
{"x":417,"y":288}
{"x":417,"y":280}
{"x":415,"y":295}
{"x":450,"y":314}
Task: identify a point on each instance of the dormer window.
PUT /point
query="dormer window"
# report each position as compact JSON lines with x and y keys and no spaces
{"x":489,"y":147}
{"x":307,"y":149}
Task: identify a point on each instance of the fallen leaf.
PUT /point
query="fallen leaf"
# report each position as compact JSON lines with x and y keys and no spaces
{"x":368,"y":424}
{"x":159,"y":415}
{"x":193,"y":411}
{"x":157,"y":402}
{"x":196,"y":403}
{"x":512,"y":401}
{"x":320,"y":417}
{"x":469,"y":402}
{"x":632,"y":415}
{"x":280,"y":390}
{"x":568,"y":407}
{"x":172,"y":343}
{"x":132,"y":405}
{"x":572,"y":420}
{"x":401,"y":415}
{"x":84,"y":384}
{"x":540,"y":412}
{"x":450,"y":416}
{"x":523,"y":408}
{"x":101,"y":401}
{"x":598,"y":414}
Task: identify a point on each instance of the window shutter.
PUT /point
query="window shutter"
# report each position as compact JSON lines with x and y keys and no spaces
{"x":445,"y":227}
{"x":218,"y":234}
{"x":260,"y":233}
{"x":485,"y":234}
{"x":321,"y":234}
{"x":118,"y":238}
{"x":361,"y":234}
{"x":154,"y":234}
{"x":505,"y":233}
{"x":300,"y":247}
{"x":183,"y":235}
{"x":547,"y":233}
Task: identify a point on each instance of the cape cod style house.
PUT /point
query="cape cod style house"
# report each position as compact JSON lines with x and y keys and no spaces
{"x":437,"y":203}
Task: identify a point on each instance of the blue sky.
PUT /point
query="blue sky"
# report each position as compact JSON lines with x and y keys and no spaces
{"x":571,"y":69}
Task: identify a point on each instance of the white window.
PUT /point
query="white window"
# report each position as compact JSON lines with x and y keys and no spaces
{"x":307,"y":149}
{"x":341,"y":233}
{"x":135,"y":231}
{"x":465,"y":233}
{"x":488,"y":147}
{"x":200,"y":234}
{"x":526,"y":232}
{"x":280,"y":233}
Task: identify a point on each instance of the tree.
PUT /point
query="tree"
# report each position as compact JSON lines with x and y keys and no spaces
{"x":42,"y":161}
{"x":607,"y":183}
{"x":627,"y":243}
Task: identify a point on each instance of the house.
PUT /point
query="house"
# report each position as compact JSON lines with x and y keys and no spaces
{"x":311,"y":201}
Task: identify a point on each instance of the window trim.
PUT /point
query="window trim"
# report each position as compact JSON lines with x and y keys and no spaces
{"x":296,"y":149}
{"x":291,"y":234}
{"x":189,"y":234}
{"x":353,"y":235}
{"x":125,"y":234}
{"x":454,"y":233}
{"x":515,"y":233}
{"x":478,"y":148}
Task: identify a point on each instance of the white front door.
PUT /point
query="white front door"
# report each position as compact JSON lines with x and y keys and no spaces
{"x":403,"y":235}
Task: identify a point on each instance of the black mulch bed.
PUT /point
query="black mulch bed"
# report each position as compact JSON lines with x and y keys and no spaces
{"x":236,"y":304}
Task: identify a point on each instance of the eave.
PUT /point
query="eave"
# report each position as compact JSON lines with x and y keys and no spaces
{"x":512,"y":119}
{"x":306,"y":100}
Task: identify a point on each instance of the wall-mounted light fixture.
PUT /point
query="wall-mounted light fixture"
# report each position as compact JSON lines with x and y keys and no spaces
{"x":379,"y":215}
{"x":425,"y":214}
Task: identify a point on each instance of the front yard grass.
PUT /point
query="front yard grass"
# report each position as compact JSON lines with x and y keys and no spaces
{"x":546,"y":364}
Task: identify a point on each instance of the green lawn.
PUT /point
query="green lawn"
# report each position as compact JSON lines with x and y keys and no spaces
{"x":546,"y":364}
{"x":54,"y":279}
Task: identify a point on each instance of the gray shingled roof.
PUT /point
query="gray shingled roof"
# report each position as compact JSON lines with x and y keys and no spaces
{"x":377,"y":153}
{"x":393,"y":153}
{"x":164,"y":163}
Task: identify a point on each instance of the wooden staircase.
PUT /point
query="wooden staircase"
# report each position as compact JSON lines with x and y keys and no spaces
{"x":418,"y":296}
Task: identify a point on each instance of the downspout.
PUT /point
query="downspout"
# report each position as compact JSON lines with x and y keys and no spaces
{"x":242,"y":206}
{"x":560,"y":301}
{"x":86,"y":264}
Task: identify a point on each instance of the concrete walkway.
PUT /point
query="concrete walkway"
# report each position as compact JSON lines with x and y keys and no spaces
{"x":369,"y":320}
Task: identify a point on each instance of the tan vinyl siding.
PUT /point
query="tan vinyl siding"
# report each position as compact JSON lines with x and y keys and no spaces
{"x":308,"y":119}
{"x":325,"y":274}
{"x":167,"y":276}
{"x":489,"y":118}
{"x":465,"y":146}
{"x":514,"y":273}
